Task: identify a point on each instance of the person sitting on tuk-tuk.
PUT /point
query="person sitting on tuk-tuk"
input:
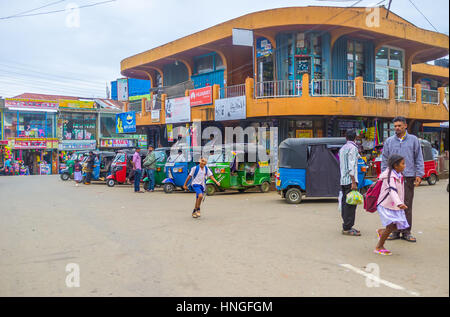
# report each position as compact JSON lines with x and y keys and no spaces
{"x":180,"y":157}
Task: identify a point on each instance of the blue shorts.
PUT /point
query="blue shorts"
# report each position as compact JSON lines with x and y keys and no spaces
{"x":198,"y":189}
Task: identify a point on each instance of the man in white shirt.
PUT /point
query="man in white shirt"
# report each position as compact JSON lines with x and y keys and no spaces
{"x":199,"y":175}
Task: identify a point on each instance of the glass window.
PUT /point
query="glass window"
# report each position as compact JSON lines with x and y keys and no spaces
{"x":51,"y":118}
{"x":355,"y":59}
{"x":382,"y":57}
{"x":396,"y":58}
{"x":108,"y":126}
{"x":31,"y":125}
{"x":219,"y":62}
{"x":79,"y":126}
{"x":204,"y":64}
{"x":10,"y":124}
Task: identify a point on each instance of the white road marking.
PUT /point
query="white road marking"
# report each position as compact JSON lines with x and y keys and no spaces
{"x":379,"y":280}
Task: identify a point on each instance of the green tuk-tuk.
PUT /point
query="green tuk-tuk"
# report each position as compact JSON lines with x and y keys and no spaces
{"x":233,"y":169}
{"x":161,"y":157}
{"x":67,"y":172}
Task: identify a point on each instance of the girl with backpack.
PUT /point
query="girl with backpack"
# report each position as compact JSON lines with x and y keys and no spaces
{"x":199,"y":175}
{"x":390,"y":203}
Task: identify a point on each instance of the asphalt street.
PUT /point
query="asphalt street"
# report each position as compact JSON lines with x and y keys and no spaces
{"x":245,"y":244}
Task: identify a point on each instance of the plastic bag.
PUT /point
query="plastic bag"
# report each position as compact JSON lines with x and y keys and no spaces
{"x":354,"y":198}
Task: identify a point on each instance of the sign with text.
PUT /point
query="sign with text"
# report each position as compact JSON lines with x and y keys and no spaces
{"x":126,"y":122}
{"x":231,"y":108}
{"x":68,"y":145}
{"x":178,"y":110}
{"x":77,"y":104}
{"x":201,"y":96}
{"x":31,"y":104}
{"x":115,"y":143}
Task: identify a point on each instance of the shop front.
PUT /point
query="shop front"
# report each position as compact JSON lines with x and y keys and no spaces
{"x":30,"y":127}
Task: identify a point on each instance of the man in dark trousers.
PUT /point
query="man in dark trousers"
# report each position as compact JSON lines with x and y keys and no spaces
{"x":348,"y":161}
{"x":408,"y":146}
{"x":89,"y":167}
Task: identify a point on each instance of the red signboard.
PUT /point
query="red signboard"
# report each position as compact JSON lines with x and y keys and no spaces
{"x":23,"y":145}
{"x":201,"y":96}
{"x":27,"y":104}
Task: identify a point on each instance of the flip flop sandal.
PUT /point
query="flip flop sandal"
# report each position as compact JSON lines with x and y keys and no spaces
{"x":194,"y":214}
{"x":409,"y":237}
{"x":198,"y":213}
{"x":382,"y":252}
{"x":351,"y":232}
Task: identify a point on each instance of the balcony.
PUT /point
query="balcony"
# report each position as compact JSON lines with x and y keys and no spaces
{"x":330,"y":97}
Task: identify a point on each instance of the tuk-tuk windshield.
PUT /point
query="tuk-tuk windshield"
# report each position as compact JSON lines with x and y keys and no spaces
{"x":160,"y":156}
{"x":120,"y":158}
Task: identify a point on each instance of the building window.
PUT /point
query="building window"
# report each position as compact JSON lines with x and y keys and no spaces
{"x":108,"y":126}
{"x":10,"y":124}
{"x":390,"y":65}
{"x":355,"y":59}
{"x":31,"y":125}
{"x":79,"y":126}
{"x":204,"y":64}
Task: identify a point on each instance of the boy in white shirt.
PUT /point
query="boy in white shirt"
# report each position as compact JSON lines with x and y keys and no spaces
{"x":199,"y":175}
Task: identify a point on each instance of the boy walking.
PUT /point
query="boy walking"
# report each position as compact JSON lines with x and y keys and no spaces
{"x":199,"y":175}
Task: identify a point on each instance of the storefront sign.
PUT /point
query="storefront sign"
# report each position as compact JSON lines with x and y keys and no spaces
{"x":2,"y":142}
{"x":169,"y":132}
{"x":122,"y":89}
{"x":133,"y":98}
{"x":178,"y":110}
{"x":126,"y":122}
{"x":31,"y":104}
{"x":76,"y":104}
{"x":24,"y":145}
{"x":303,"y":133}
{"x":116,"y":143}
{"x":263,"y":47}
{"x":201,"y":96}
{"x":231,"y":108}
{"x":155,"y":115}
{"x":142,"y":141}
{"x":77,"y":145}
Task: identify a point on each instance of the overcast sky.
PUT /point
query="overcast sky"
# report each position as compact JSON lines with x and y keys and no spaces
{"x":41,"y":54}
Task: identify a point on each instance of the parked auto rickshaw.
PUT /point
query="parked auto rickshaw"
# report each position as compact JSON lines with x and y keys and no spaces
{"x":67,"y":172}
{"x":430,"y":166}
{"x":310,"y":167}
{"x":235,"y":175}
{"x":160,"y":175}
{"x":177,"y":168}
{"x":102,"y":165}
{"x":121,"y":167}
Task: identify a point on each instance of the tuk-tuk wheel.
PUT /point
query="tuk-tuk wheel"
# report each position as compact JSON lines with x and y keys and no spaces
{"x":65,"y":176}
{"x":432,"y":179}
{"x":264,"y":187}
{"x":210,"y":189}
{"x":242,"y":190}
{"x":294,"y":196}
{"x":110,"y":183}
{"x":169,"y":188}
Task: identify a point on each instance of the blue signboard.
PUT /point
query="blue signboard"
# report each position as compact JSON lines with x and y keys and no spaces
{"x":126,"y":122}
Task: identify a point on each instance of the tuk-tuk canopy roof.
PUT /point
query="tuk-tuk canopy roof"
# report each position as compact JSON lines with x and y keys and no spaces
{"x":293,"y":153}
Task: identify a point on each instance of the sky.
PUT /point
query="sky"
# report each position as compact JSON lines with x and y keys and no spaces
{"x":53,"y":54}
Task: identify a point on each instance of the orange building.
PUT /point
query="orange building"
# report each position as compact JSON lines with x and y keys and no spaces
{"x":312,"y":71}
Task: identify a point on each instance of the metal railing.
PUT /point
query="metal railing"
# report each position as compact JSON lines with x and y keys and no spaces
{"x":375,"y":90}
{"x":232,"y":91}
{"x":403,"y":93}
{"x":279,"y":88}
{"x":333,"y":87}
{"x":430,"y":96}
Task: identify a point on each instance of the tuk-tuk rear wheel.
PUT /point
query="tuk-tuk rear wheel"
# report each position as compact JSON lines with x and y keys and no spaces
{"x":110,"y":183}
{"x":210,"y":189}
{"x":432,"y":179}
{"x":264,"y":187}
{"x":65,"y":176}
{"x":294,"y":196}
{"x":169,"y":188}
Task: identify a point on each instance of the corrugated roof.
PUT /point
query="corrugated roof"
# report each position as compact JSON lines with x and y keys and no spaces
{"x":28,"y":95}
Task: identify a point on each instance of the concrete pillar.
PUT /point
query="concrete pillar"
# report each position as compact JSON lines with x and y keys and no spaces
{"x":359,"y":87}
{"x":418,"y":88}
{"x":392,"y":87}
{"x":305,"y":85}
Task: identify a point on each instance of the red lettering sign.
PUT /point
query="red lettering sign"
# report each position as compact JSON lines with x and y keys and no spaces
{"x":201,"y":96}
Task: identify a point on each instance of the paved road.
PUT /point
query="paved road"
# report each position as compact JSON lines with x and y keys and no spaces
{"x":248,"y":244}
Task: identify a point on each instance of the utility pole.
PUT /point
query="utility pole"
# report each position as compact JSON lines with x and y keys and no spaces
{"x":389,"y":9}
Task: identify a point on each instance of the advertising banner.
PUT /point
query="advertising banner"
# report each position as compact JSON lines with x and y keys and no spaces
{"x":77,"y":104}
{"x":263,"y":47}
{"x":30,"y":144}
{"x":169,"y":133}
{"x":178,"y":110}
{"x":201,"y":96}
{"x":155,"y":115}
{"x":122,"y":89}
{"x":126,"y":122}
{"x":115,"y":143}
{"x":31,"y":104}
{"x":77,"y":145}
{"x":231,"y":108}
